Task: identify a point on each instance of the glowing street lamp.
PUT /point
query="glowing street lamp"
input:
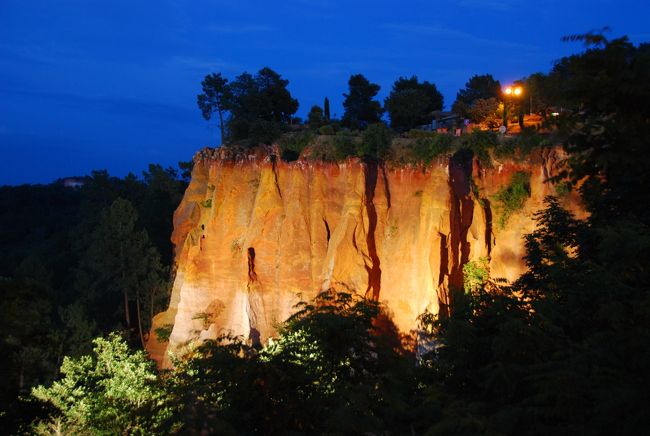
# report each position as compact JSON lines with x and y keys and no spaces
{"x":509,"y":92}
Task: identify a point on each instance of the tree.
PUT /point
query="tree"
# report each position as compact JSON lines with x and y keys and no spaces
{"x":120,"y":261}
{"x":335,"y":367}
{"x":113,"y":391}
{"x":326,"y":109}
{"x":360,"y":108}
{"x":485,"y":111}
{"x":260,"y":106}
{"x":566,"y":347}
{"x":542,"y":92}
{"x":478,"y":86}
{"x":315,"y":117}
{"x":607,"y":89}
{"x":215,"y":98}
{"x":412,"y":103}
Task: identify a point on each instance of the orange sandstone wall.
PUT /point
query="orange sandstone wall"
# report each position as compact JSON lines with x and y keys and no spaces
{"x":254,"y":235}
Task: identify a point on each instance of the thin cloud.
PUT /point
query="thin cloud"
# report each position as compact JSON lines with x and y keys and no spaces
{"x":238,"y":29}
{"x":203,"y":64}
{"x":445,"y":32}
{"x":118,"y":105}
{"x":497,"y":5}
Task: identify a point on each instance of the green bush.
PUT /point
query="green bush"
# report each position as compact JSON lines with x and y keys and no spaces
{"x":375,"y":141}
{"x":327,"y":129}
{"x":563,"y":189}
{"x":163,"y":333}
{"x":480,"y":142}
{"x":292,"y":144}
{"x":344,"y":146}
{"x":512,"y":197}
{"x":207,"y":203}
{"x":323,"y":149}
{"x":475,"y":275}
{"x":529,"y":139}
{"x":426,"y":149}
{"x":521,"y":145}
{"x":507,"y":148}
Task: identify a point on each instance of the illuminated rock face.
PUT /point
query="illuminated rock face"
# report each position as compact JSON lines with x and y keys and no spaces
{"x":254,"y":235}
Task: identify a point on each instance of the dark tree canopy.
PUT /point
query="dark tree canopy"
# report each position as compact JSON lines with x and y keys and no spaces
{"x":260,"y":106}
{"x":478,"y":86}
{"x":315,"y":117}
{"x":360,"y":108}
{"x":412,"y":103}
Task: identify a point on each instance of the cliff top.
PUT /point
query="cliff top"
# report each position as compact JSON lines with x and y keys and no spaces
{"x":416,"y":148}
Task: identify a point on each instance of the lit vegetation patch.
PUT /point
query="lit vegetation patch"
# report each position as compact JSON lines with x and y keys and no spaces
{"x":562,"y":189}
{"x":112,"y":391}
{"x":475,"y":275}
{"x":512,"y":197}
{"x":163,"y":333}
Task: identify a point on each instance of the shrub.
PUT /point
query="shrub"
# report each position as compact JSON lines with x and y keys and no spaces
{"x":418,"y":134}
{"x":480,"y":142}
{"x":292,"y":144}
{"x":563,"y":189}
{"x":512,"y":197}
{"x":521,"y":145}
{"x":327,"y":129}
{"x":207,"y":203}
{"x":475,"y":275}
{"x":426,"y":149}
{"x":375,"y":141}
{"x":529,"y":139}
{"x":315,"y":118}
{"x":344,"y":146}
{"x":507,"y":148}
{"x":163,"y":333}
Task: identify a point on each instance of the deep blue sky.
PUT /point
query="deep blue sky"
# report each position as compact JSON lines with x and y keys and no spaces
{"x":112,"y":85}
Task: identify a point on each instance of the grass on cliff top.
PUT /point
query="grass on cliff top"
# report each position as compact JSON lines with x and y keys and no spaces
{"x":511,"y":198}
{"x":414,"y":147}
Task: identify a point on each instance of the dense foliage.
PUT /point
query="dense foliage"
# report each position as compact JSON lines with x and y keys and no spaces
{"x":412,"y":103}
{"x":76,"y":263}
{"x":360,"y":108}
{"x":255,"y":108}
{"x":478,"y":87}
{"x":511,"y":198}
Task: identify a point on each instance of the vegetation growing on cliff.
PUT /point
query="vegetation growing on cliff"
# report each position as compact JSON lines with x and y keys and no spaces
{"x":511,"y":198}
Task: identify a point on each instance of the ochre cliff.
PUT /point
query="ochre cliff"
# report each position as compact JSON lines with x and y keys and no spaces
{"x":254,"y":235}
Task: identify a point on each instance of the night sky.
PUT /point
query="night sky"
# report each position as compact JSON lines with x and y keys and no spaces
{"x":112,"y":84}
